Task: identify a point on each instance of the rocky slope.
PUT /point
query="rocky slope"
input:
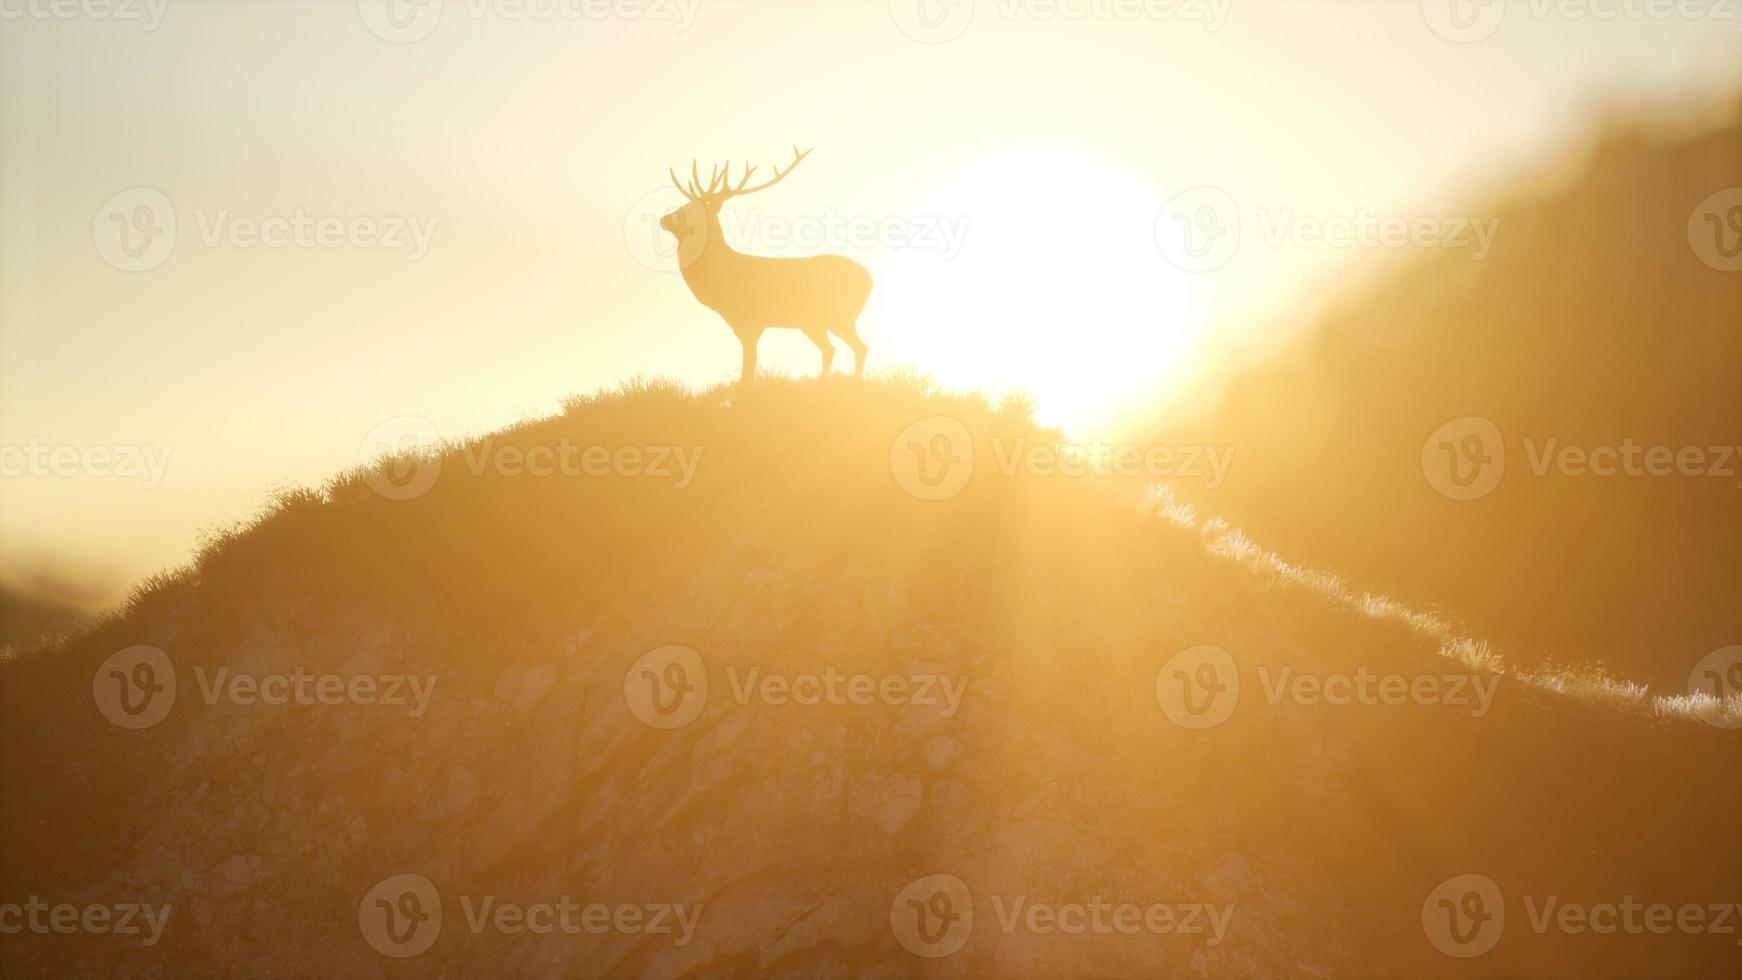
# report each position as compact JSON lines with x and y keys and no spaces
{"x":576,"y":798}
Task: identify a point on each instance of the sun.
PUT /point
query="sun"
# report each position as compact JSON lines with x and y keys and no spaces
{"x":1045,"y":278}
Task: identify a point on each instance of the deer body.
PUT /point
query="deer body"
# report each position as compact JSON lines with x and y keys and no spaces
{"x":818,"y":295}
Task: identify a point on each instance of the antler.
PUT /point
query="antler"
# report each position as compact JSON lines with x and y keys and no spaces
{"x":719,"y":186}
{"x":779,"y":175}
{"x":687,"y":192}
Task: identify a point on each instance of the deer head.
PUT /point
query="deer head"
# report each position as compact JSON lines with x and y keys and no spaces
{"x":698,"y":220}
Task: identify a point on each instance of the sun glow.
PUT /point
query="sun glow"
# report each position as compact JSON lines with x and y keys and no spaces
{"x":1056,"y":289}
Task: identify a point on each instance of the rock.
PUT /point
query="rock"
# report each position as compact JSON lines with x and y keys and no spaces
{"x":725,"y":753}
{"x":462,"y":789}
{"x":889,"y":801}
{"x":941,"y":751}
{"x":1231,"y":881}
{"x":235,"y":874}
{"x":524,"y":687}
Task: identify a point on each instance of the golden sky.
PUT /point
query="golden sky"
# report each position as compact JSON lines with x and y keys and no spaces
{"x":460,"y":194}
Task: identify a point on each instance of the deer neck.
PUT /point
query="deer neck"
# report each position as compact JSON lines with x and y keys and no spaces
{"x":706,"y":259}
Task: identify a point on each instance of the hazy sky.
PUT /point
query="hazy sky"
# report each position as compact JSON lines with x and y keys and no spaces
{"x":465,"y":190}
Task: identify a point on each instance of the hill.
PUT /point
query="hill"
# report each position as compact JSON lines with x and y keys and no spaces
{"x":1605,"y":324}
{"x":26,"y":620}
{"x":1005,"y":685}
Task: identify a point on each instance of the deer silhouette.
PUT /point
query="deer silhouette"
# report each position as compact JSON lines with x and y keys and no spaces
{"x":818,"y":295}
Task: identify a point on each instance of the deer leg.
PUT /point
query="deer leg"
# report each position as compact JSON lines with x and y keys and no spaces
{"x":821,"y":339}
{"x":850,"y":334}
{"x":749,"y":338}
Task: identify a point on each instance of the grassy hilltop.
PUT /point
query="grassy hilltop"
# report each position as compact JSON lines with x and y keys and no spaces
{"x":793,"y":549}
